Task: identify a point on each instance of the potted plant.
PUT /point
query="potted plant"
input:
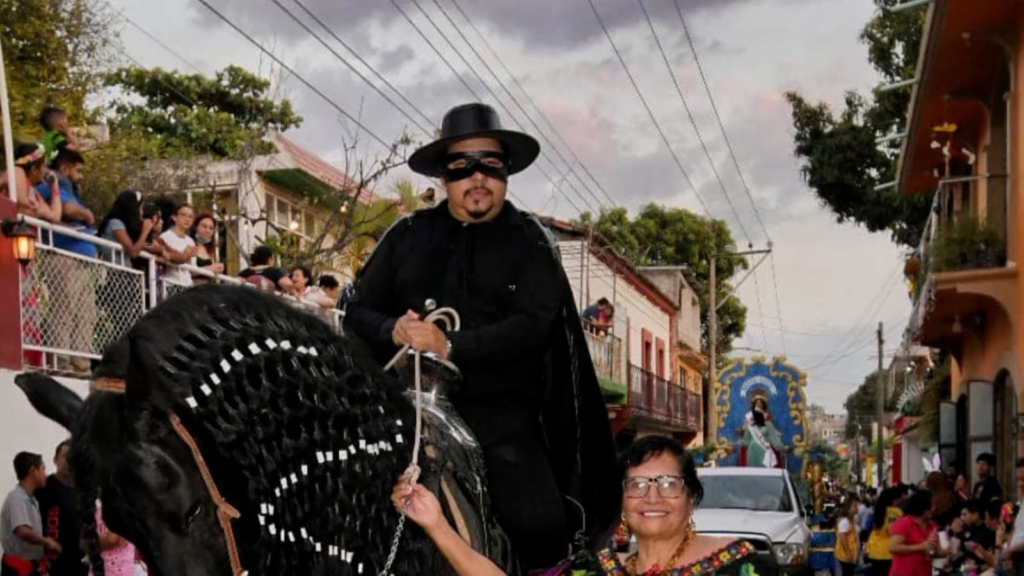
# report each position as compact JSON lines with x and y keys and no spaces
{"x":966,"y":244}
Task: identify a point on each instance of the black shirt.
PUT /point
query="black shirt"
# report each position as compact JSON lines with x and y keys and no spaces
{"x":980,"y":535}
{"x":988,"y":489}
{"x":273,"y":274}
{"x":504,"y":281}
{"x":58,"y":506}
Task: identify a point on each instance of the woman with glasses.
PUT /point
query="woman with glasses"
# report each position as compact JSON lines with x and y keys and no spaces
{"x":660,"y":492}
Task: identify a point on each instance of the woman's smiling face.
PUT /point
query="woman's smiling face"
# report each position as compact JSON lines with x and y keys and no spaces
{"x":667,"y":506}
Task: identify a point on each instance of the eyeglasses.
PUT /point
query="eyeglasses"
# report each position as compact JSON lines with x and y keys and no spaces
{"x":668,"y":486}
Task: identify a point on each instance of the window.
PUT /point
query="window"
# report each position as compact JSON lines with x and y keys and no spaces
{"x":760,"y":493}
{"x":659,"y":367}
{"x":310,"y":225}
{"x":290,"y":216}
{"x":648,"y":349}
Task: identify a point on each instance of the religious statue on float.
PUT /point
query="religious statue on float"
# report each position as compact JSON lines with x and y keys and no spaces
{"x":761,"y":443}
{"x":760,"y":410}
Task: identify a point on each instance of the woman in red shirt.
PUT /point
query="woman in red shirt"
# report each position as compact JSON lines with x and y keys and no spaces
{"x":914,"y":539}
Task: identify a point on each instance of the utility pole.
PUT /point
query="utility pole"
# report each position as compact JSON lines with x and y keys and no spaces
{"x":712,"y":399}
{"x":880,"y":408}
{"x":713,"y":306}
{"x":856,"y":456}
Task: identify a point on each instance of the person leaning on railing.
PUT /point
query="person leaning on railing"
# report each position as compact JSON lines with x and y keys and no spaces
{"x":180,"y":247}
{"x":330,"y":286}
{"x":262,"y":266}
{"x":30,"y":170}
{"x":125,"y":225}
{"x":71,"y":280}
{"x":301,"y":278}
{"x":204,"y":232}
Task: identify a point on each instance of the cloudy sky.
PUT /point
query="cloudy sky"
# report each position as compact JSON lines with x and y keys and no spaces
{"x":834,"y":282}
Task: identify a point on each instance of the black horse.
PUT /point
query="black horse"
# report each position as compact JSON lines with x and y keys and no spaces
{"x":249,"y":436}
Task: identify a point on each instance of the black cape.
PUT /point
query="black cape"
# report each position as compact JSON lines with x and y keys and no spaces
{"x":574,"y":417}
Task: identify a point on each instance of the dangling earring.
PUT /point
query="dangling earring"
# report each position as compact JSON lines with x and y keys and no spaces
{"x":693,"y":526}
{"x":622,"y":532}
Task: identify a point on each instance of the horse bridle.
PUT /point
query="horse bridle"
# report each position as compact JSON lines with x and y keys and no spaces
{"x":225,"y":511}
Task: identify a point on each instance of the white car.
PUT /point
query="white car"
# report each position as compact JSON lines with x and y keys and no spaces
{"x":759,"y":505}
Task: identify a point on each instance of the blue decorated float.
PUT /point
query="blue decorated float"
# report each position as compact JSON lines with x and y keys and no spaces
{"x":775,"y":389}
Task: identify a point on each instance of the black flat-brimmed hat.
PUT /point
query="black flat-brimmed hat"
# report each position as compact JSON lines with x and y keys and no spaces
{"x":474,"y":121}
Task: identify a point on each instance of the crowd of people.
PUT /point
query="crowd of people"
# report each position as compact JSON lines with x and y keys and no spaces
{"x":42,"y":526}
{"x":47,"y":178}
{"x":937,"y":527}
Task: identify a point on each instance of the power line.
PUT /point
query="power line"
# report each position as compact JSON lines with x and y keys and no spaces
{"x":643,"y":100}
{"x":291,"y":71}
{"x":494,"y":95}
{"x":272,"y":160}
{"x":436,"y":50}
{"x":352,"y":68}
{"x":533,"y":103}
{"x":155,"y":39}
{"x":490,"y":90}
{"x":515,"y":100}
{"x":757,"y":292}
{"x":693,"y":122}
{"x":430,"y":121}
{"x":868,"y":343}
{"x":778,"y":304}
{"x":858,"y":328}
{"x":718,"y":117}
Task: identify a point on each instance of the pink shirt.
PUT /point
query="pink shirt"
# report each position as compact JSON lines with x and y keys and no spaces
{"x":119,"y":560}
{"x":917,"y":563}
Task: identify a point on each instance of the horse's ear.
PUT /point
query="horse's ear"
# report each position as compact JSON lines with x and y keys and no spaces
{"x":50,"y":398}
{"x":141,"y":371}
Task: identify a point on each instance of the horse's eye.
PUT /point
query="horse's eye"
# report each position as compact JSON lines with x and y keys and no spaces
{"x":192,"y":514}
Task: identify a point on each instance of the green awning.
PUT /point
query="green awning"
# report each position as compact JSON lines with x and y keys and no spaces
{"x":301,"y":183}
{"x":612,"y":391}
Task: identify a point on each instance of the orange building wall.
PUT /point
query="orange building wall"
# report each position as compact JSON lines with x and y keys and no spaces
{"x":1001,"y":347}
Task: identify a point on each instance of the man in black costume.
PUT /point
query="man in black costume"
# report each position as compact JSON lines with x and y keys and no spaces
{"x":529,"y":391}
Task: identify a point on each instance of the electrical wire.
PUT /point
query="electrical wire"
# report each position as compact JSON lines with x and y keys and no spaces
{"x":516,"y":101}
{"x":693,"y":122}
{"x":532,"y":102}
{"x":654,"y":119}
{"x":298,"y":76}
{"x":354,"y":70}
{"x":718,"y":117}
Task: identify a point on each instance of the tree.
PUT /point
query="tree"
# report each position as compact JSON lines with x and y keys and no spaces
{"x":369,"y":223}
{"x":166,"y":126}
{"x":860,"y":407}
{"x":660,"y":236}
{"x":841,"y":161}
{"x":54,"y":51}
{"x":128,"y":161}
{"x":191,"y":114}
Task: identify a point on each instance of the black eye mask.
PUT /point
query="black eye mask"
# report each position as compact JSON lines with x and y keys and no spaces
{"x":474,"y":164}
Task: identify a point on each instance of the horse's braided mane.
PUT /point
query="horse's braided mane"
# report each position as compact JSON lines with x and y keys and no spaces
{"x":284,"y":407}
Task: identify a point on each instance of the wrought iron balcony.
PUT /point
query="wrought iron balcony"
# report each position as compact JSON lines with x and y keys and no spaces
{"x":665,"y":402}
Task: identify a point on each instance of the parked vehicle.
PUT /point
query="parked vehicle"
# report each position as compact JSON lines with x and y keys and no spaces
{"x":760,"y":505}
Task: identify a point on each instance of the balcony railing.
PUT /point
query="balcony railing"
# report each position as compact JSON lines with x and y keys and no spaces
{"x":654,"y":397}
{"x":73,"y":307}
{"x":606,"y":353}
{"x":951,"y":241}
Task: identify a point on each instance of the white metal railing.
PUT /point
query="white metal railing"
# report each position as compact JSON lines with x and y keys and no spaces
{"x":74,"y":306}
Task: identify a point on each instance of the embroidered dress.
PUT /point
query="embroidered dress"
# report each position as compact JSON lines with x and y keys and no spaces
{"x":738,"y":558}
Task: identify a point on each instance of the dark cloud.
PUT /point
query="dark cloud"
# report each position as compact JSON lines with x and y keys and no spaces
{"x":393,"y":60}
{"x":551,"y":24}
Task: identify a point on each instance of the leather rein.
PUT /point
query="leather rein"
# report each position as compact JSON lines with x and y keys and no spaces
{"x":225,"y":511}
